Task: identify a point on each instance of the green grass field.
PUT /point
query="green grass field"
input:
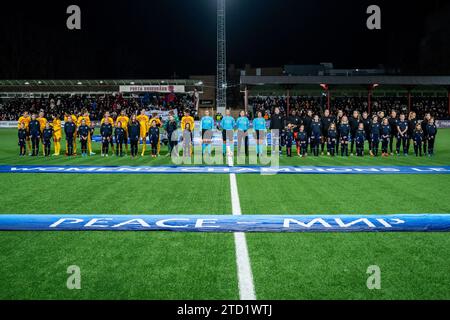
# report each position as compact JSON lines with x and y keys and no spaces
{"x":165,"y":265}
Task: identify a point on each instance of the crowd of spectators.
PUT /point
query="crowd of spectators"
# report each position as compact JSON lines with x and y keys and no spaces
{"x":437,"y":106}
{"x":12,"y":108}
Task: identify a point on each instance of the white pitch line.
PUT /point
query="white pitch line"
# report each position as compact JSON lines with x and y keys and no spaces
{"x":244,"y":270}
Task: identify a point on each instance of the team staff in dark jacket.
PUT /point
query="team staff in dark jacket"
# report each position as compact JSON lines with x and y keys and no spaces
{"x":22,"y":135}
{"x":70,"y":129}
{"x":294,"y":120}
{"x":35,"y":135}
{"x":134,"y":130}
{"x":326,"y":121}
{"x":106,"y":131}
{"x":47,"y":135}
{"x":277,"y":122}
{"x":119,"y":135}
{"x":431,"y":136}
{"x":83,"y":133}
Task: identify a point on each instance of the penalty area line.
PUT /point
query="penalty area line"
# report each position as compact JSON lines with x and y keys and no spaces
{"x":244,"y":270}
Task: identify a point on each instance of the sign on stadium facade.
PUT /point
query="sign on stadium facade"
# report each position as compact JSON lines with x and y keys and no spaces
{"x":153,"y":88}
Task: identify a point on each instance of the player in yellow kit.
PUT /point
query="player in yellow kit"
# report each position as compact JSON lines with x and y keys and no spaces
{"x":57,"y":134}
{"x":74,"y":120}
{"x":107,"y":117}
{"x":124,"y":120}
{"x":187,"y":118}
{"x":85,"y":117}
{"x":144,"y":125}
{"x":42,"y":123}
{"x":25,"y":119}
{"x":158,"y":124}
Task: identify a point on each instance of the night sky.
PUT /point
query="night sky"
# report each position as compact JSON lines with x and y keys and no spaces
{"x":167,"y":38}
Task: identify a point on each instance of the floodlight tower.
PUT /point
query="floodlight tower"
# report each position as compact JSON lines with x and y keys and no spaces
{"x":221,"y":77}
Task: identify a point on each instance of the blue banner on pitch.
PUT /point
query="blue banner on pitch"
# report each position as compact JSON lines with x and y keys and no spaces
{"x":229,"y":223}
{"x":227,"y":169}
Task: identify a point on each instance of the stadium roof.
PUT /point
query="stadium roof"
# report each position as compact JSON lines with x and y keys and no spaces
{"x":344,"y":80}
{"x":98,"y":82}
{"x":89,"y":86}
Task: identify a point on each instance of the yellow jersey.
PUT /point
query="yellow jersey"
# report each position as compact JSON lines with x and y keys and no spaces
{"x":74,"y":118}
{"x":110,"y":120}
{"x":42,"y":123}
{"x":186,"y":120}
{"x":57,"y":129}
{"x":143,"y":122}
{"x":124,"y":120}
{"x":25,"y":121}
{"x":157,"y":120}
{"x":85,"y":118}
{"x":56,"y":124}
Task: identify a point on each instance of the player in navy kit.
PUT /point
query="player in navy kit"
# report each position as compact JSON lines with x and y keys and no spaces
{"x":354,"y":123}
{"x":302,"y":139}
{"x":375,"y":136}
{"x":360,"y":137}
{"x":344,"y":132}
{"x":412,"y":122}
{"x":332,"y":139}
{"x":385,"y":136}
{"x":326,"y":121}
{"x":393,"y":123}
{"x":417,"y":137}
{"x":431,"y":136}
{"x":402,"y":135}
{"x":367,"y":124}
{"x":316,"y":135}
{"x":289,"y":140}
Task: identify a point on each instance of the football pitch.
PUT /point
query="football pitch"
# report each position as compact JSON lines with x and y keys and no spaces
{"x":198,"y":265}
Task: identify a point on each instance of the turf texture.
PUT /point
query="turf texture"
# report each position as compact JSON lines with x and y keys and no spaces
{"x":164,"y":265}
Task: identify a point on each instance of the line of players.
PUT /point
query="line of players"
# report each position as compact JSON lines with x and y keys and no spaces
{"x":310,"y":130}
{"x":352,"y":132}
{"x":35,"y":129}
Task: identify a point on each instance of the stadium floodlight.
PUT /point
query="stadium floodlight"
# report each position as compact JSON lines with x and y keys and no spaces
{"x":132,"y":82}
{"x":27,"y":83}
{"x":39,"y":82}
{"x":79,"y":83}
{"x":221,"y":78}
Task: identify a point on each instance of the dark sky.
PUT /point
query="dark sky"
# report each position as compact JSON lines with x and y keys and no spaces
{"x":151,"y":39}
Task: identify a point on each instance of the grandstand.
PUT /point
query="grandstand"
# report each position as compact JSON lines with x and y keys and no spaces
{"x":364,"y":93}
{"x":96,"y":96}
